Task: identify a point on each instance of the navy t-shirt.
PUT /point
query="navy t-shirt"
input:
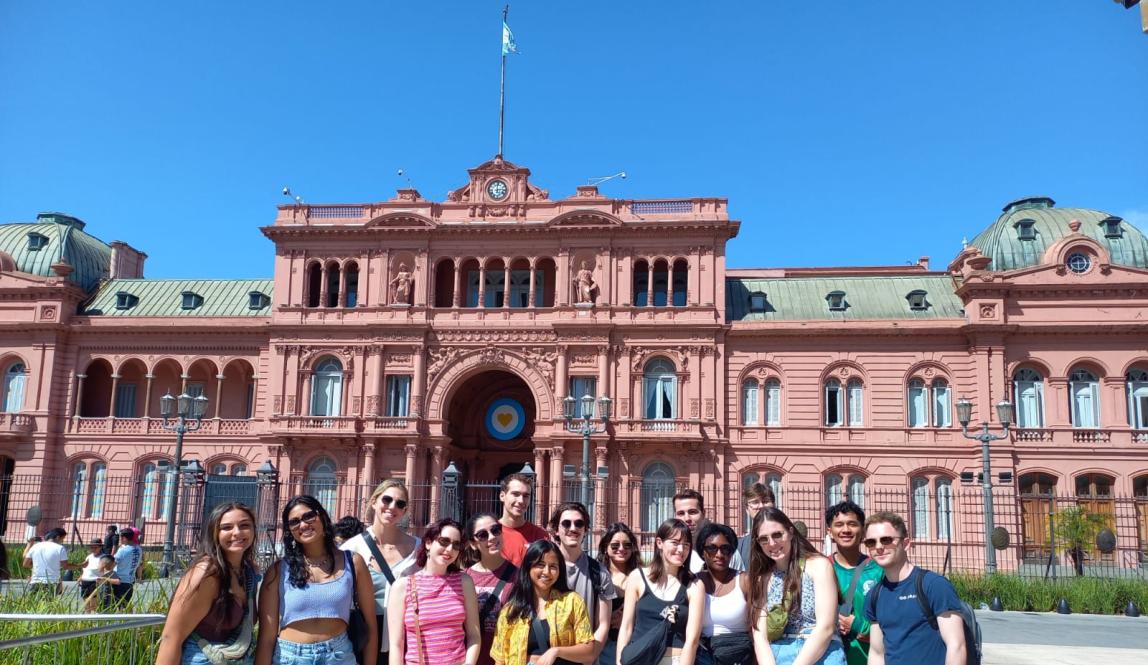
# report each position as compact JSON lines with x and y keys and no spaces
{"x":908,"y":637}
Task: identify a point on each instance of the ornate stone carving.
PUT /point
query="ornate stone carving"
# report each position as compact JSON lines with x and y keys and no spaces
{"x":624,"y":407}
{"x":277,"y":404}
{"x":401,"y":286}
{"x":694,"y":411}
{"x":290,"y":404}
{"x":988,"y":311}
{"x":709,"y":408}
{"x":584,"y":285}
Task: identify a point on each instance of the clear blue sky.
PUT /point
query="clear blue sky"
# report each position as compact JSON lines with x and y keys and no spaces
{"x":843,"y":133}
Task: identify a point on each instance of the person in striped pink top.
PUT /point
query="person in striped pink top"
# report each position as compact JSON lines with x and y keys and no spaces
{"x":438,"y":605}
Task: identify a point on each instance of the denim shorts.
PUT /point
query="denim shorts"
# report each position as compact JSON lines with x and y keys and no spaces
{"x":193,"y":655}
{"x":335,"y":651}
{"x":786,"y":649}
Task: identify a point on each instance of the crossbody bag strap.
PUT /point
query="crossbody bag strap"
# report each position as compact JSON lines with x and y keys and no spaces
{"x":414,"y":597}
{"x":488,"y":604}
{"x":848,"y":598}
{"x":383,"y":565}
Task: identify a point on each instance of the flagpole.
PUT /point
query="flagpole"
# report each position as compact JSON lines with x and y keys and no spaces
{"x":502,"y":88}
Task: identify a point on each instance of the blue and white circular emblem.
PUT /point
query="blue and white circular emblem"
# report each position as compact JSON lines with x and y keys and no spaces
{"x":505,"y":419}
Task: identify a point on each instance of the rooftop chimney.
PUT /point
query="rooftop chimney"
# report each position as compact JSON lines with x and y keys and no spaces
{"x":126,"y":261}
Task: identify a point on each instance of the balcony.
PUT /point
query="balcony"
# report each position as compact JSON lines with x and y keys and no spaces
{"x":344,"y":425}
{"x":1032,"y":435}
{"x":14,"y":425}
{"x":391,"y":425}
{"x":154,"y":426}
{"x":659,"y":427}
{"x":1090,"y":436}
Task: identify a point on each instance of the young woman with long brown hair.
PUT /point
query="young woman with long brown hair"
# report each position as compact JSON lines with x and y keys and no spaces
{"x":618,"y":552}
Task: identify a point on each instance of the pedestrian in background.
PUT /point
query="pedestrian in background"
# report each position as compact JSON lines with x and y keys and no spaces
{"x":347,"y":528}
{"x":433,"y":614}
{"x":211,"y":615}
{"x":492,"y":574}
{"x":618,"y":553}
{"x":129,"y":564}
{"x":91,"y":571}
{"x":46,"y":559}
{"x":306,"y":597}
{"x":111,"y":540}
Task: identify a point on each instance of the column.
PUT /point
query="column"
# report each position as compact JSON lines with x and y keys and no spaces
{"x":305,"y":394}
{"x":323,"y":285}
{"x":603,"y":371}
{"x":650,"y":283}
{"x":183,"y":383}
{"x":482,"y":283}
{"x":418,"y":383}
{"x":1113,"y":402}
{"x":456,"y":297}
{"x":374,"y":379}
{"x":79,"y":394}
{"x":670,"y":283}
{"x":422,"y":279}
{"x":600,"y":455}
{"x":341,"y":299}
{"x":557,"y":457}
{"x":436,"y":480}
{"x":562,"y":279}
{"x":115,"y":391}
{"x":412,"y":451}
{"x":385,"y":278}
{"x":365,"y":277}
{"x":147,"y":396}
{"x":541,"y":500}
{"x":368,"y":478}
{"x":530,"y":296}
{"x":344,"y":394}
{"x":561,"y":385}
{"x":218,"y":393}
{"x":506,"y":283}
{"x":254,"y":394}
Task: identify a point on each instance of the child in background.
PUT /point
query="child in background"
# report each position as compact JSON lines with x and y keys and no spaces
{"x":100,"y":596}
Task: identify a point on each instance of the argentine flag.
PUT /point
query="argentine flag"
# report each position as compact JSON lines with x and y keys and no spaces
{"x":508,"y":45}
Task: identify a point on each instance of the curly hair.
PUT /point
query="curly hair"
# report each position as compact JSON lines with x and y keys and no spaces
{"x":293,"y":550}
{"x":709,"y":530}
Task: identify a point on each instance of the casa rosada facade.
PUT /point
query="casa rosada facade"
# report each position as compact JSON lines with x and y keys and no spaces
{"x":396,"y":339}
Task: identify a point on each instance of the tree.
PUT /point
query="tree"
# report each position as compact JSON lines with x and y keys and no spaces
{"x":1076,"y":530}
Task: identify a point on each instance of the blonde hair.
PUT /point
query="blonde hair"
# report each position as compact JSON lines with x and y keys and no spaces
{"x":383,"y":487}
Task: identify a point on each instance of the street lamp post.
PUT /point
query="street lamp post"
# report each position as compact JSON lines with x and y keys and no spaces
{"x":1005,"y":415}
{"x":585,"y":426}
{"x":188,"y":412}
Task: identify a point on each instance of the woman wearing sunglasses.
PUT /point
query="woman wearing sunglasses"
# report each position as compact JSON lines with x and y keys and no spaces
{"x":725,"y":631}
{"x":306,"y":598}
{"x":434,"y":612}
{"x":618,"y":552}
{"x":544,"y":621}
{"x":492,"y":574}
{"x":792,"y":596}
{"x":387,"y":549}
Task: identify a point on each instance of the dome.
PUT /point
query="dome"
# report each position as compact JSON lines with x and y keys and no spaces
{"x":1027,"y":227}
{"x":35,"y":247}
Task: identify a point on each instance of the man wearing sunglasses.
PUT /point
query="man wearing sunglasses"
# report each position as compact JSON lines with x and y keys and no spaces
{"x":901,"y":633}
{"x":517,"y":533}
{"x":570,"y":523}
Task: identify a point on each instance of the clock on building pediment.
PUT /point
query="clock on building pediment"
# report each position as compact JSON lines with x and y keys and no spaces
{"x":498,"y":188}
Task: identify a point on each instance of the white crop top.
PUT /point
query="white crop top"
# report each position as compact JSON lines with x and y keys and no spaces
{"x":726,"y":614}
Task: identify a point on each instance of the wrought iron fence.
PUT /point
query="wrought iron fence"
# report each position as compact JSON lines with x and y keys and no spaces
{"x":1041,"y":535}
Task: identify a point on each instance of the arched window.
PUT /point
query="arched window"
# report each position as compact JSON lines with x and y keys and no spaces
{"x":942,"y":404}
{"x":327,"y":388}
{"x":660,"y":383}
{"x":1137,"y":388}
{"x":155,"y":486}
{"x":749,"y":402}
{"x":89,"y":486}
{"x":314,"y":285}
{"x":332,"y":295}
{"x":837,"y":487}
{"x":238,"y":469}
{"x":14,"y":388}
{"x":351,"y":276}
{"x":658,"y":488}
{"x":322,"y":483}
{"x":661,"y":282}
{"x":773,"y":402}
{"x":1028,"y":386}
{"x":1084,"y":389}
{"x":929,"y":405}
{"x":917,"y":405}
{"x":932,"y":499}
{"x":680,"y":281}
{"x":1036,"y":492}
{"x":79,"y":489}
{"x":641,"y":278}
{"x":219,"y":469}
{"x":844,"y":404}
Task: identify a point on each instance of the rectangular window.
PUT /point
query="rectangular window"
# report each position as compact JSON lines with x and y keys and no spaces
{"x":1084,"y":404}
{"x":942,"y":413}
{"x":921,"y":508}
{"x":917,"y":408}
{"x":773,"y":403}
{"x":126,"y":400}
{"x":857,"y":490}
{"x":659,"y":394}
{"x":1029,"y":401}
{"x":944,"y":509}
{"x":398,"y":396}
{"x":749,"y":403}
{"x":834,"y":404}
{"x":249,"y":407}
{"x":856,"y":402}
{"x":581,"y":386}
{"x":1138,"y":404}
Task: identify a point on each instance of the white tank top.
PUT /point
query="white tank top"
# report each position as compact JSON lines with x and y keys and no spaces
{"x":726,"y":614}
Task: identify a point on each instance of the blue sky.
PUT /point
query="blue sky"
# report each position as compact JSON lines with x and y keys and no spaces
{"x":842,"y":133}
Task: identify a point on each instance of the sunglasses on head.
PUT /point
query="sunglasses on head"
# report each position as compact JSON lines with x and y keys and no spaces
{"x":776,"y":537}
{"x":886,"y":541}
{"x":447,"y":543}
{"x":726,"y":549}
{"x":308,"y":517}
{"x":486,"y":534}
{"x":570,"y":525}
{"x":614,"y":547}
{"x":388,"y":500}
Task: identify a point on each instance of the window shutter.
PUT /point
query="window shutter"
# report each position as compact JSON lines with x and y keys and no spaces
{"x":856,"y":403}
{"x":920,"y":508}
{"x":749,"y":403}
{"x":773,"y":403}
{"x":917,"y":416}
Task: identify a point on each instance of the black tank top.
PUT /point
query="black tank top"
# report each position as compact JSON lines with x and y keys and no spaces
{"x":649,"y":613}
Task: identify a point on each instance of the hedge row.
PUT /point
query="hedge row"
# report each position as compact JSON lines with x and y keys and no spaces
{"x":1088,"y":595}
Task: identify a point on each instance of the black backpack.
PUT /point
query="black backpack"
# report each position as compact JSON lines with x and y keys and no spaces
{"x":973,"y":651}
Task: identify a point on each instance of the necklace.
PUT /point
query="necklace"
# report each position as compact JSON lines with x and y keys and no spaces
{"x":323,"y":564}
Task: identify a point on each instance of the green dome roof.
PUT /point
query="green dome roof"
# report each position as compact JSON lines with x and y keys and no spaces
{"x":1002,"y":241}
{"x":34,"y":247}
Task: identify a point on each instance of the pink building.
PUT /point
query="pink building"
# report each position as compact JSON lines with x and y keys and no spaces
{"x":399,"y":337}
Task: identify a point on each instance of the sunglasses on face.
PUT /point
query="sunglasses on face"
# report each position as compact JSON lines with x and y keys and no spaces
{"x":388,"y":500}
{"x":886,"y":541}
{"x":775,"y":537}
{"x":447,"y":543}
{"x":614,"y":547}
{"x":573,"y":525}
{"x":726,"y":549}
{"x":486,"y":534}
{"x":307,"y":517}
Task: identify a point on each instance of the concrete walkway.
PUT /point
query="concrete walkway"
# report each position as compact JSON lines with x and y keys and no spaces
{"x":1031,"y":638}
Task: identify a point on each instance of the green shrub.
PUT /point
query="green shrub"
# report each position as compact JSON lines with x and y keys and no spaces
{"x":1088,"y":595}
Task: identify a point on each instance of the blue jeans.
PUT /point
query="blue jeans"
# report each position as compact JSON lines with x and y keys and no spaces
{"x":193,"y":655}
{"x":786,"y":649}
{"x":335,"y":651}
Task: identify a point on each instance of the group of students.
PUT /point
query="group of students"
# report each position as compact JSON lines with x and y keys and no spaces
{"x":107,"y":576}
{"x":501,"y":590}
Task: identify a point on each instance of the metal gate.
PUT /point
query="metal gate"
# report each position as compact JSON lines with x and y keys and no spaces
{"x":461,"y":499}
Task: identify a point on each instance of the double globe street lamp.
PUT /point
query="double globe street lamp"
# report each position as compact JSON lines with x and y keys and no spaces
{"x":1005,"y":413}
{"x":188,"y":413}
{"x":586,"y":426}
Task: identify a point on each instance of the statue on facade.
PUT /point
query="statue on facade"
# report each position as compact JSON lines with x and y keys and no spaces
{"x":401,"y":286}
{"x":584,"y":280}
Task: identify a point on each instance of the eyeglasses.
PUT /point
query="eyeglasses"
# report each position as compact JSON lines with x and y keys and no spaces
{"x":726,"y":549}
{"x":388,"y":500}
{"x":307,"y":517}
{"x":614,"y":547}
{"x":572,"y":525}
{"x":775,"y":537}
{"x":447,"y":543}
{"x":485,"y":534}
{"x":886,"y":541}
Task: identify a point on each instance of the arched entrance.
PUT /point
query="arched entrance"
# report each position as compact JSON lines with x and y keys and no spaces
{"x":490,"y":422}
